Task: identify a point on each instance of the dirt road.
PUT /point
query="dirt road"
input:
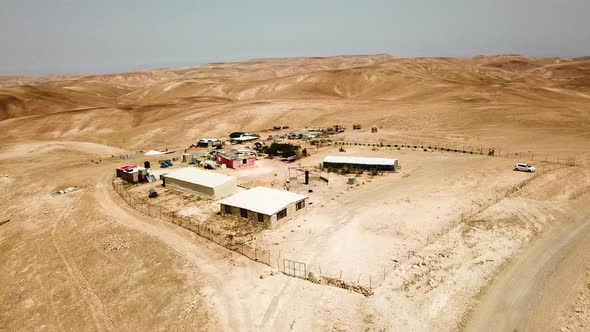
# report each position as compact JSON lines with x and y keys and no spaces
{"x":512,"y":303}
{"x":184,"y":244}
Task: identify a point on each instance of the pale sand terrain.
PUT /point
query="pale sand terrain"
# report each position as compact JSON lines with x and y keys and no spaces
{"x":88,"y":261}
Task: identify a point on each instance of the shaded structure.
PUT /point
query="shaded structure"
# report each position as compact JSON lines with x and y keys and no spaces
{"x":206,"y":184}
{"x":267,"y":206}
{"x":363,"y":163}
{"x":132,"y":173}
{"x":209,"y":143}
{"x":236,"y":158}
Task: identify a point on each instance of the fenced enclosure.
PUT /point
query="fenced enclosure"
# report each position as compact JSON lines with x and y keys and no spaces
{"x":194,"y":225}
{"x":271,"y":258}
{"x":358,"y":281}
{"x":465,"y":149}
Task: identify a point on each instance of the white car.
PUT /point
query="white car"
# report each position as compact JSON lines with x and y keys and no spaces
{"x":524,"y":168}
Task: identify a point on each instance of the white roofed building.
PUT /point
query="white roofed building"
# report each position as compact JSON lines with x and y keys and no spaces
{"x":206,"y":184}
{"x":271,"y":207}
{"x":364,"y":163}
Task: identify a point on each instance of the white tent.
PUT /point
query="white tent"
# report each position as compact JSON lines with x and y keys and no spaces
{"x":153,"y":153}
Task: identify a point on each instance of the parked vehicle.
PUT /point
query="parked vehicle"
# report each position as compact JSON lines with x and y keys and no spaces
{"x":523,"y":167}
{"x":152,"y":193}
{"x":206,"y":142}
{"x":209,"y":164}
{"x":241,"y":135}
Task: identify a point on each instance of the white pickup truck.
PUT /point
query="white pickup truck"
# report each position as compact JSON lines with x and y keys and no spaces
{"x":524,"y":168}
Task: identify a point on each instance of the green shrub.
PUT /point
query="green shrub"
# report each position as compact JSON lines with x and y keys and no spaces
{"x":282,"y":149}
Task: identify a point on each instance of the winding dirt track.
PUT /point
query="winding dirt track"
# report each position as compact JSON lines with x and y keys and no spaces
{"x":235,"y":317}
{"x":101,"y":319}
{"x":512,"y":301}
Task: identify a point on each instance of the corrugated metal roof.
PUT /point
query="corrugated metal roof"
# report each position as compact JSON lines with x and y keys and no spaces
{"x":204,"y":178}
{"x":360,"y":160}
{"x":263,"y":200}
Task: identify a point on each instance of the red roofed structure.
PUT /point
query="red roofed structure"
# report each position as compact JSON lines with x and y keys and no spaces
{"x":131,"y":173}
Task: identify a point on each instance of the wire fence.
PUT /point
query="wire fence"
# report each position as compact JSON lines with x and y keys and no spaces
{"x":201,"y":228}
{"x":473,"y":150}
{"x":363,"y":283}
{"x":204,"y":229}
{"x":475,"y":209}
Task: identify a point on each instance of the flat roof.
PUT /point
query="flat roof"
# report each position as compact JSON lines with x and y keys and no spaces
{"x":237,"y":154}
{"x":130,"y":168}
{"x":360,"y":160}
{"x":263,"y":200}
{"x":195,"y":175}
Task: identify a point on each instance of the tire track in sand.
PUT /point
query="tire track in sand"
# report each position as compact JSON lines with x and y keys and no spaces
{"x":102,"y":321}
{"x":232,"y":313}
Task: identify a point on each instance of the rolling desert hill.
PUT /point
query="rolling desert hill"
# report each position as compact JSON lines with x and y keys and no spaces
{"x":402,"y":95}
{"x":448,"y":242}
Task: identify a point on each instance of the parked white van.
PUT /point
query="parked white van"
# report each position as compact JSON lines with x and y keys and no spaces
{"x":524,"y":168}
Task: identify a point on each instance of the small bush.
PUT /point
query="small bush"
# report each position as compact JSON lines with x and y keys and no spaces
{"x":282,"y":149}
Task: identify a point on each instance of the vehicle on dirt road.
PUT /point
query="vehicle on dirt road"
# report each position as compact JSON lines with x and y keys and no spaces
{"x":522,"y":167}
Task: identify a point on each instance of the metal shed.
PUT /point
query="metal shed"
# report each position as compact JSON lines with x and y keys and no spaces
{"x":365,"y":163}
{"x":206,"y":184}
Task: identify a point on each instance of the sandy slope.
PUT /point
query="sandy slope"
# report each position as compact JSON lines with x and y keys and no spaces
{"x":86,"y":261}
{"x":509,"y":304}
{"x":480,"y":99}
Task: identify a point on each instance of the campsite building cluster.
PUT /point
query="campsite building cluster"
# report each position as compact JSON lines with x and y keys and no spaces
{"x":266,"y":206}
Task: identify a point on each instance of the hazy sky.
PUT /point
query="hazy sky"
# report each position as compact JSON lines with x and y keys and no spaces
{"x":83,"y":36}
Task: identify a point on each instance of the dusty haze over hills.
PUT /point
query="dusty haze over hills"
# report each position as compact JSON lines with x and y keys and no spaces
{"x":64,"y":36}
